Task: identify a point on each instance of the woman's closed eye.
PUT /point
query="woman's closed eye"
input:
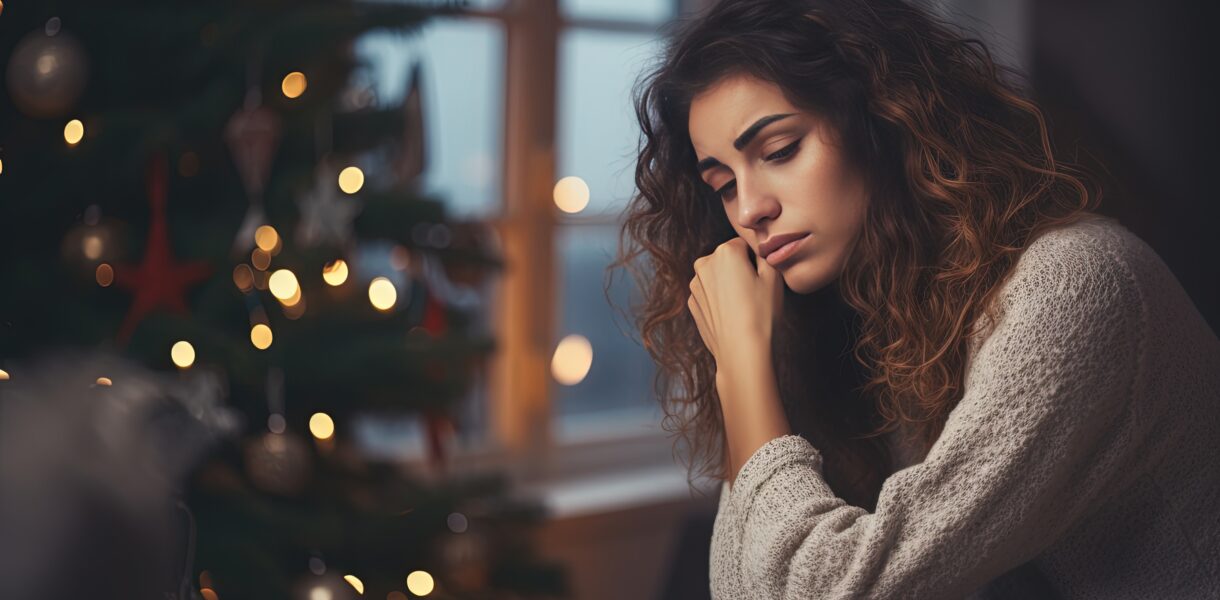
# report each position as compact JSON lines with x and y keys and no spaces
{"x":779,"y":155}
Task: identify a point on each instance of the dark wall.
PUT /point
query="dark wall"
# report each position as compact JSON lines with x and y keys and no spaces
{"x":1134,"y":83}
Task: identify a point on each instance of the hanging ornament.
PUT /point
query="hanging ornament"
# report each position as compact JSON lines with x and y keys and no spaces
{"x":326,"y":218}
{"x":47,"y":72}
{"x":253,"y":134}
{"x":414,"y":160}
{"x":158,"y":281}
{"x":278,"y":463}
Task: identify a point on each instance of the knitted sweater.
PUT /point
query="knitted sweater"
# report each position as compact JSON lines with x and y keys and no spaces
{"x":1081,"y":461}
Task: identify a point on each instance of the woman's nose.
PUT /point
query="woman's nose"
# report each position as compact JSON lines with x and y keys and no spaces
{"x":755,"y":203}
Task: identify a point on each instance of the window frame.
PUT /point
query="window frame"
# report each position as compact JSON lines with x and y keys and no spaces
{"x":521,"y":438}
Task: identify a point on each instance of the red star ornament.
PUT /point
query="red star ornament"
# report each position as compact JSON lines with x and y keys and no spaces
{"x":158,"y":281}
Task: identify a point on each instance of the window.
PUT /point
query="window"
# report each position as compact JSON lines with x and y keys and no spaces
{"x":522,"y":94}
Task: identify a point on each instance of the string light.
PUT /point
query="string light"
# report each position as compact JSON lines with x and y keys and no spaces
{"x":243,"y":277}
{"x":420,"y":583}
{"x":294,"y":84}
{"x":283,"y":285}
{"x":183,"y":354}
{"x":92,"y":246}
{"x":382,"y":293}
{"x":260,"y":336}
{"x":104,"y":381}
{"x":3,"y":375}
{"x":572,"y":360}
{"x":335,"y":272}
{"x":351,"y":180}
{"x":321,"y":426}
{"x":261,"y":259}
{"x":74,"y":131}
{"x":1,"y":161}
{"x":104,"y":274}
{"x":571,"y":194}
{"x":355,"y":583}
{"x":266,"y":238}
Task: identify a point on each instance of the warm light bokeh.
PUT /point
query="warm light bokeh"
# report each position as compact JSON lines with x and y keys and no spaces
{"x":74,"y":131}
{"x":355,"y":583}
{"x":382,"y":293}
{"x":260,"y":336}
{"x":283,"y":285}
{"x":571,"y":194}
{"x":335,"y":272}
{"x":572,"y":360}
{"x":183,"y":354}
{"x":351,"y":180}
{"x":104,"y":275}
{"x":420,"y":583}
{"x":266,"y":238}
{"x":321,"y":426}
{"x":294,"y":84}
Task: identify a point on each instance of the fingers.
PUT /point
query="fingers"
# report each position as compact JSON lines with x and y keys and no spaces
{"x":698,"y":305}
{"x":704,"y":334}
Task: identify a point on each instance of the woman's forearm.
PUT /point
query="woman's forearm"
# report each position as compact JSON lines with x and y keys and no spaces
{"x":749,"y":401}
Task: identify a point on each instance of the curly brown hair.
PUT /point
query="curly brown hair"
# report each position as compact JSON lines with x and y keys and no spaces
{"x":961,"y":177}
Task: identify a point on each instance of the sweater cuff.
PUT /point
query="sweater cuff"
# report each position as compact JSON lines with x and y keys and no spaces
{"x":765,"y":461}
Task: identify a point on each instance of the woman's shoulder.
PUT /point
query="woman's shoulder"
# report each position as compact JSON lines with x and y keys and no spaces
{"x":1089,"y":274}
{"x":1095,"y":260}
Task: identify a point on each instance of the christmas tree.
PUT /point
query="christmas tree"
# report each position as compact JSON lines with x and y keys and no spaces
{"x":201,"y":187}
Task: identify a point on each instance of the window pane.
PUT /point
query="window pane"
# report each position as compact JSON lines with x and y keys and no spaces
{"x":650,"y":11}
{"x":597,"y":126}
{"x":462,"y":101}
{"x":621,"y":373}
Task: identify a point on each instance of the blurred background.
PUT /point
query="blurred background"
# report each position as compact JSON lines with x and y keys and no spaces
{"x":308,"y":299}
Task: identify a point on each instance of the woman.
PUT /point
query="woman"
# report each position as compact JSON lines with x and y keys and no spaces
{"x":888,"y":317}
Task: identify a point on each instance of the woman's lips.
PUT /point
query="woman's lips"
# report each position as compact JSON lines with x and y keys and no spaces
{"x":783,"y":252}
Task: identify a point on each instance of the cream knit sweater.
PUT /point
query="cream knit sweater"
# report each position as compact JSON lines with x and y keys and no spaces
{"x":1081,"y":462}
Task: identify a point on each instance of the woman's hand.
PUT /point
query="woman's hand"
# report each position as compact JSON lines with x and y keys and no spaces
{"x":735,"y":302}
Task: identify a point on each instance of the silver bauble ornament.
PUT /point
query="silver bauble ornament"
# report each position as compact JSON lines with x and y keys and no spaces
{"x":46,"y":74}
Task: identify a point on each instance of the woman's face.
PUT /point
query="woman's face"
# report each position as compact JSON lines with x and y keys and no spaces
{"x":779,"y":176}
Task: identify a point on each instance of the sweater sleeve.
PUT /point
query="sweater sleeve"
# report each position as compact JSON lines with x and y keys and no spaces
{"x":1044,"y":429}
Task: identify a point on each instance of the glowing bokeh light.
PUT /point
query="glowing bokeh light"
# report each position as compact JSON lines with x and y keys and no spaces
{"x":243,"y":277}
{"x":572,"y":360}
{"x":183,"y":354}
{"x":266,"y":238}
{"x":283,"y":285}
{"x":260,"y":336}
{"x":419,"y":583}
{"x":351,"y":180}
{"x":382,"y":293}
{"x":335,"y":272}
{"x":104,"y":381}
{"x":571,"y":194}
{"x":321,"y":426}
{"x":294,"y":84}
{"x":74,"y":131}
{"x":261,"y":259}
{"x":104,"y":274}
{"x":92,"y":246}
{"x":355,"y":583}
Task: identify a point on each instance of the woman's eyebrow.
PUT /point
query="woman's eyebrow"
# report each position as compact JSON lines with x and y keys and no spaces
{"x":743,"y":139}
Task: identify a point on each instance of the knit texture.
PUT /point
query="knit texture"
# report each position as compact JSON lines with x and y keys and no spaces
{"x":1080,"y":462}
